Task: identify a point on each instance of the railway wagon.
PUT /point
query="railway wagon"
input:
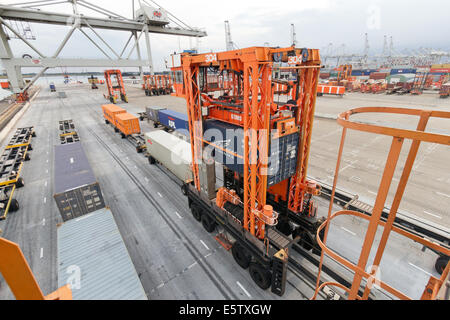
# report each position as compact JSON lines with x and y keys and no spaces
{"x":110,"y":111}
{"x":127,"y":124}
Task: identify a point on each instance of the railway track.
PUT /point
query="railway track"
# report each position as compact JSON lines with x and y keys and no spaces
{"x":218,"y":281}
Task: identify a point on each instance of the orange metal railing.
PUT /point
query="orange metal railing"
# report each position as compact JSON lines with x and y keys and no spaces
{"x":398,"y":137}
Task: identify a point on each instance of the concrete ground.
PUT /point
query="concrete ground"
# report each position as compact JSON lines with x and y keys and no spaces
{"x":173,"y":255}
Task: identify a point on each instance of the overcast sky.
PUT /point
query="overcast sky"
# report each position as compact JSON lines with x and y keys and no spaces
{"x":412,"y":24}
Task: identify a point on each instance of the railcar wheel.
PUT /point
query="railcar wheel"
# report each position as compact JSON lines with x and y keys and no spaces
{"x":208,"y":223}
{"x":240,"y":255}
{"x":196,"y":213}
{"x":261,"y":276}
{"x":14,"y":205}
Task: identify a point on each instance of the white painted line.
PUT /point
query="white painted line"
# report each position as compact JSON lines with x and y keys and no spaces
{"x":160,"y":286}
{"x":146,"y":179}
{"x":443,"y":194}
{"x":348,"y":231}
{"x":192,"y":265}
{"x":204,"y":244}
{"x":159,"y":194}
{"x":42,"y":253}
{"x":45,"y":199}
{"x":43,"y":222}
{"x":349,"y":165}
{"x":45,"y":183}
{"x":135,"y":167}
{"x":208,"y":255}
{"x":420,"y":269}
{"x":372,"y":192}
{"x":46,"y":171}
{"x":431,"y":214}
{"x":243,"y":289}
{"x":178,"y":215}
{"x":47,"y":160}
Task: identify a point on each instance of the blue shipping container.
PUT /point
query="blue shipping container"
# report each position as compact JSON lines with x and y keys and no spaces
{"x":400,"y":71}
{"x":282,"y":151}
{"x":174,"y":120}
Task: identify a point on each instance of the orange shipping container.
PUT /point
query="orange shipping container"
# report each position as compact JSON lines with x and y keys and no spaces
{"x":110,"y":111}
{"x":5,"y":85}
{"x":127,"y":124}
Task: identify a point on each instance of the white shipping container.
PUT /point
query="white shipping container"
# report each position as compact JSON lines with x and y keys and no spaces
{"x":171,"y":151}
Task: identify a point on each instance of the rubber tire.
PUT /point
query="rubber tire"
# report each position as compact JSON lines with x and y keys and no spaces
{"x":33,"y":134}
{"x":240,"y":255}
{"x":284,"y":227}
{"x":208,"y":223}
{"x":106,"y":121}
{"x":138,"y":150}
{"x":141,"y":118}
{"x":123,"y":136}
{"x":30,"y":147}
{"x":116,"y":130}
{"x":196,"y":213}
{"x":14,"y":205}
{"x":151,"y":160}
{"x":155,"y":125}
{"x":260,"y":275}
{"x":27,"y":157}
{"x":440,"y":264}
{"x":20,"y":183}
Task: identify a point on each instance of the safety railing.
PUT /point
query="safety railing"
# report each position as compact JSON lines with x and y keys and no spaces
{"x":374,"y":220}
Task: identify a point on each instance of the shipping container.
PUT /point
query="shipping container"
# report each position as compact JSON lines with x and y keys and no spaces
{"x":153,"y":113}
{"x":174,"y":120}
{"x":403,"y":71}
{"x":127,"y":124}
{"x":77,"y":192}
{"x":52,"y":87}
{"x":378,"y":75}
{"x":172,"y":152}
{"x":5,"y":85}
{"x":227,"y":141}
{"x":109,"y":112}
{"x":93,"y":245}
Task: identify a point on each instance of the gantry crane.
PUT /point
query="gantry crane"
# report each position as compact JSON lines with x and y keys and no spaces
{"x":115,"y":90}
{"x":257,"y":197}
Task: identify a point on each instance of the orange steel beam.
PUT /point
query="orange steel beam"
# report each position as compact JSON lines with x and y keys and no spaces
{"x":304,"y":118}
{"x":398,"y":136}
{"x":20,"y":278}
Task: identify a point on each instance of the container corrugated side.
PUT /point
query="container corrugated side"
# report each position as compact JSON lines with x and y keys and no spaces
{"x":174,"y":120}
{"x":282,"y":151}
{"x":172,"y":152}
{"x":127,"y":124}
{"x":153,"y":113}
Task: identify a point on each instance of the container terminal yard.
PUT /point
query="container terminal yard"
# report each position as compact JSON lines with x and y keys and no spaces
{"x":332,"y":184}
